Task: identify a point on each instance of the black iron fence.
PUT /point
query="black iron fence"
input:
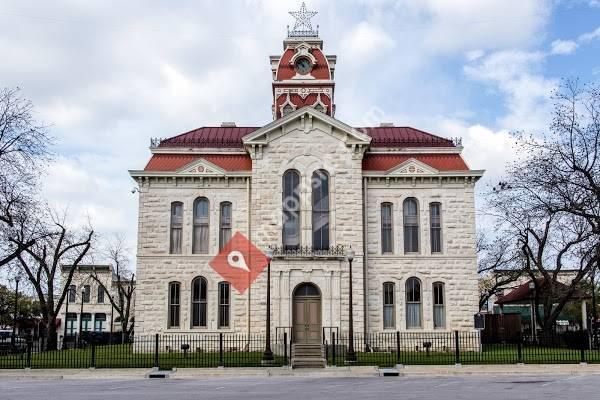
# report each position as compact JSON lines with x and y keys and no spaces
{"x":447,"y":348}
{"x":158,"y":351}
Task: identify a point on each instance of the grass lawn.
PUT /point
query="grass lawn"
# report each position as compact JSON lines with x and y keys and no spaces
{"x":123,"y":356}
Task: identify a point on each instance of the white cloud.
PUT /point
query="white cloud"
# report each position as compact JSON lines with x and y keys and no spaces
{"x":563,"y":47}
{"x":588,"y":37}
{"x":364,"y":43}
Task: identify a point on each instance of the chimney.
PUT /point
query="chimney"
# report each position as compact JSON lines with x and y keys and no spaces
{"x":227,"y":124}
{"x":386,"y":125}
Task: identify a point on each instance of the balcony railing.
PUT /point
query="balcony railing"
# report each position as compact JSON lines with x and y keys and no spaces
{"x":337,"y":252}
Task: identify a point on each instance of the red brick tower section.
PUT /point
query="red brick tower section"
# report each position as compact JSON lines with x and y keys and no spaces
{"x":303,"y":76}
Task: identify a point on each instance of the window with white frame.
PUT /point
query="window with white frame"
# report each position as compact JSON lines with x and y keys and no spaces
{"x":389,"y":306}
{"x":174,"y":304}
{"x":176,"y":227}
{"x":435,"y":211}
{"x":411,"y":225}
{"x":413,"y":303}
{"x":201,"y":226}
{"x":439,"y":311}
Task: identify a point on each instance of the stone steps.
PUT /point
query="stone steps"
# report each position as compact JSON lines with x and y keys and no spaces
{"x":308,"y":355}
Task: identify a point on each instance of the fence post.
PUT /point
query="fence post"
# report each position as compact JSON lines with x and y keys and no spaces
{"x":93,"y":362}
{"x":456,"y":348}
{"x":333,"y":349}
{"x":29,"y":346}
{"x":520,"y":349}
{"x":285,"y":349}
{"x":156,"y":366}
{"x":397,"y":347}
{"x":583,"y":345}
{"x":220,"y":349}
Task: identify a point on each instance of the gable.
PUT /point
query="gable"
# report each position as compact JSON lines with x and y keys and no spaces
{"x":412,"y":167}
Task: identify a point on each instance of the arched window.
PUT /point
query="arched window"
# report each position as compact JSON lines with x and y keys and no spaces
{"x":224,"y":304}
{"x":439,"y":301}
{"x":387,"y":233}
{"x":199,"y":302}
{"x":291,"y":210}
{"x":411,"y":226}
{"x":413,"y":303}
{"x":201,"y":229}
{"x":320,"y":210}
{"x":174,"y":304}
{"x":224,"y":224}
{"x":389,"y":306}
{"x":176,"y":227}
{"x":435,"y":217}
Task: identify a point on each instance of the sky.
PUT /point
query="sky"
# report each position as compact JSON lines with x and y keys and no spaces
{"x":106,"y":76}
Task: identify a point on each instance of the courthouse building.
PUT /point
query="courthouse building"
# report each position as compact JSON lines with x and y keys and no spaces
{"x":308,"y":186}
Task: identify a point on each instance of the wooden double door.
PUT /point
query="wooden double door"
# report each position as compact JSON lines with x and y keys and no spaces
{"x":307,"y":314}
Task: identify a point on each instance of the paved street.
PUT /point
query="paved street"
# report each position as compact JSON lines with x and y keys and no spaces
{"x":290,"y":388}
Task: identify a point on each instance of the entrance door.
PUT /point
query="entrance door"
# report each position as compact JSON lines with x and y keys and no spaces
{"x":307,"y":314}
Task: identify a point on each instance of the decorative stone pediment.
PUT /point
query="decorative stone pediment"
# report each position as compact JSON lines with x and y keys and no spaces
{"x":412,"y":167}
{"x":201,"y":167}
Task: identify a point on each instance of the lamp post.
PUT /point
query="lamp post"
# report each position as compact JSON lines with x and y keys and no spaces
{"x":533,"y":310}
{"x":268,"y":354}
{"x":64,"y":341}
{"x":14,"y":330}
{"x":350,"y":354}
{"x":81,"y":316}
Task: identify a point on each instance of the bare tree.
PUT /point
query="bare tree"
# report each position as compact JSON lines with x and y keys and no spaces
{"x":55,"y":245}
{"x":121,"y":295}
{"x":550,"y":201}
{"x":24,"y":149}
{"x":499,"y":266}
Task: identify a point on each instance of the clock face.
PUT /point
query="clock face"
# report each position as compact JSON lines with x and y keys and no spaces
{"x":303,"y":66}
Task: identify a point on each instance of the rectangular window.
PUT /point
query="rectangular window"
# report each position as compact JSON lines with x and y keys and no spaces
{"x":99,"y":322}
{"x":224,"y":304}
{"x":389,"y":317}
{"x":100,"y":295}
{"x":72,"y":293}
{"x":176,"y":227}
{"x":225,"y":224}
{"x":387,"y":241}
{"x":71,"y":324}
{"x":439,"y":314}
{"x":86,"y":322}
{"x":320,"y":212}
{"x":174,"y":304}
{"x":86,"y":294}
{"x":201,"y":227}
{"x":436,"y":227}
{"x":411,"y":226}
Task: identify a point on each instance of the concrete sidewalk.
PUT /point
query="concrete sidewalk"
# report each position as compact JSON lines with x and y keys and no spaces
{"x":331,"y":372}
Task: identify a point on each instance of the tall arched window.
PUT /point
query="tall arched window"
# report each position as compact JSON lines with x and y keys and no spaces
{"x":176,"y":227}
{"x":174,"y":304}
{"x":224,"y":304}
{"x":224,"y":224}
{"x":201,"y":229}
{"x":291,"y":210}
{"x":389,"y":306}
{"x":439,"y":312}
{"x":411,"y":225}
{"x":387,"y":233}
{"x":320,"y":210}
{"x":413,"y":303}
{"x":199,"y":302}
{"x":435,"y":217}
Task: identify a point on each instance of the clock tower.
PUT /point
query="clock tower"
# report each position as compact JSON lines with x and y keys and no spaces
{"x":303,"y":75}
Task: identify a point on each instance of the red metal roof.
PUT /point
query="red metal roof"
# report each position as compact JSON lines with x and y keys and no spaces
{"x":228,"y":137}
{"x":173,"y":162}
{"x":441,"y":162}
{"x":231,"y":137}
{"x":523,"y":294}
{"x":402,"y":136}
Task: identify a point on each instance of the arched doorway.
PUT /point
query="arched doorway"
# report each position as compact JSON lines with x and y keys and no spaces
{"x":307,"y":313}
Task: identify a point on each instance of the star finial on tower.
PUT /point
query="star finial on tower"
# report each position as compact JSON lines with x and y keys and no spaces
{"x":303,"y":25}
